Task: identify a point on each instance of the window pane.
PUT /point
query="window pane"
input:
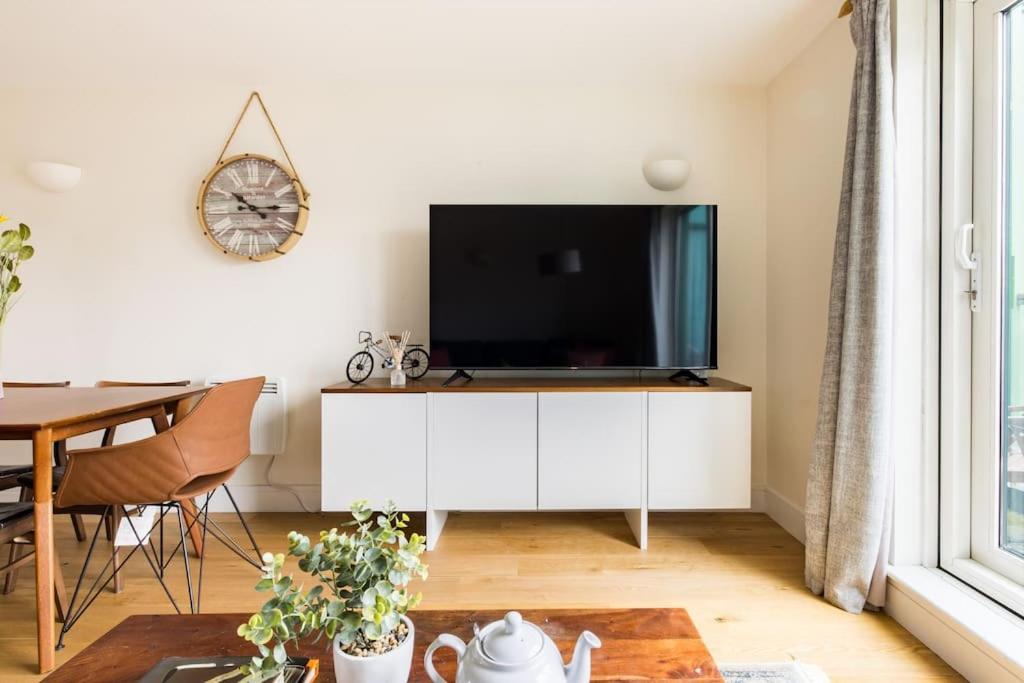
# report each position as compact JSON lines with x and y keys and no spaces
{"x":1012,"y":461}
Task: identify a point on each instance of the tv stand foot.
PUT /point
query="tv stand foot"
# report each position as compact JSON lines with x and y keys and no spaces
{"x":689,"y":375}
{"x":458,"y":374}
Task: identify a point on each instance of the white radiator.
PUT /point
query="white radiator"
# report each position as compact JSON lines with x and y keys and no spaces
{"x":269,"y":429}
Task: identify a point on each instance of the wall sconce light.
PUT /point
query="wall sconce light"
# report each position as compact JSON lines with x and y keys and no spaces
{"x":54,"y":177}
{"x":666,"y":174}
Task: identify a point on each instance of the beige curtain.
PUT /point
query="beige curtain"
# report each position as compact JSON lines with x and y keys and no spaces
{"x":850,"y":478}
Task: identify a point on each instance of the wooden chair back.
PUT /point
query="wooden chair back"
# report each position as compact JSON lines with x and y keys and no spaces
{"x":159,"y":424}
{"x":106,"y":383}
{"x":17,"y":526}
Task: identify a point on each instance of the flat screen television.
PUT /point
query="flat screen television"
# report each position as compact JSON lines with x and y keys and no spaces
{"x":573,"y":286}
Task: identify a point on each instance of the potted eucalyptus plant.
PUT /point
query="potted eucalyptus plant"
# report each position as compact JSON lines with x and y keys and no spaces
{"x":14,"y":250}
{"x":360,"y":604}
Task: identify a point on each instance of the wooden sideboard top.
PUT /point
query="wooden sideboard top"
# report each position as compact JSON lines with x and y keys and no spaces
{"x":533,"y":384}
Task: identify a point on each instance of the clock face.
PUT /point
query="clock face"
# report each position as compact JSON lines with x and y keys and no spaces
{"x":252,"y":207}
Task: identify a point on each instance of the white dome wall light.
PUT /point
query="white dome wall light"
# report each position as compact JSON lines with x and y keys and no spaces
{"x":666,"y":174}
{"x":54,"y":177}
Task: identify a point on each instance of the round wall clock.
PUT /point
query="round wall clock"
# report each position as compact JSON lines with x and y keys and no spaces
{"x":253,"y":207}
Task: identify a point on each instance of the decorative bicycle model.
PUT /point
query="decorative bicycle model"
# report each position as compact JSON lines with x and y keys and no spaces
{"x":415,"y":360}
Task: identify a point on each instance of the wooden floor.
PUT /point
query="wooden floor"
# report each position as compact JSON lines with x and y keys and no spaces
{"x":739,"y":575}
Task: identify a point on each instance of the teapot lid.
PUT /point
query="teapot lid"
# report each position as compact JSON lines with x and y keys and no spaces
{"x":512,"y":642}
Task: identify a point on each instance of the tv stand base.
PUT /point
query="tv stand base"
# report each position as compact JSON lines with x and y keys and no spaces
{"x":689,"y":375}
{"x":458,"y":374}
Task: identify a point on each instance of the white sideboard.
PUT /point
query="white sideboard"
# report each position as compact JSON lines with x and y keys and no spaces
{"x":534,"y":444}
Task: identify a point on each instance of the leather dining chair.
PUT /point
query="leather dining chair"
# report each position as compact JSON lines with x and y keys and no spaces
{"x":189,"y":505}
{"x":17,"y":526}
{"x":190,"y":460}
{"x":113,"y":521}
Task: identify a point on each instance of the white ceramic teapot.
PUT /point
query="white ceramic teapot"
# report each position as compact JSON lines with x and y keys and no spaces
{"x":513,"y":651}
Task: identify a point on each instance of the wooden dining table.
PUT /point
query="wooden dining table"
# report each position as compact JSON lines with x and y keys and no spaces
{"x":49,"y":415}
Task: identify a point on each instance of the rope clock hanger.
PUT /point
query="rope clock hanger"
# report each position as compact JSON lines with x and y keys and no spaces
{"x":252,"y":206}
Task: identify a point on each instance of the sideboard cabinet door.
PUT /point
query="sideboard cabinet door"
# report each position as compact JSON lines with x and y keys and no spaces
{"x":699,"y":450}
{"x":590,"y":450}
{"x":374,"y":447}
{"x":483,"y":451}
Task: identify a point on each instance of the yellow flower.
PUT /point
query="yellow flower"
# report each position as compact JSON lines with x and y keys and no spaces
{"x":3,"y":218}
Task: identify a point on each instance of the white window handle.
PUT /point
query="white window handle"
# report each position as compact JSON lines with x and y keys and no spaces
{"x":967,"y":258}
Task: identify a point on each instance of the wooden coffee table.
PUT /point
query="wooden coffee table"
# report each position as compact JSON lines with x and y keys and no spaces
{"x":638,"y":644}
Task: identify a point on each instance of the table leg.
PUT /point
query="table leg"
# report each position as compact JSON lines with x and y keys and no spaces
{"x":42,"y":452}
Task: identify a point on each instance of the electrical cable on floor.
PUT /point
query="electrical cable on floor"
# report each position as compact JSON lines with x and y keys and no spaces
{"x":284,"y":487}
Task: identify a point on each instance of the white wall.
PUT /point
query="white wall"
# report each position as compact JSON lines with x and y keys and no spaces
{"x":808,"y":105}
{"x":125,"y":286}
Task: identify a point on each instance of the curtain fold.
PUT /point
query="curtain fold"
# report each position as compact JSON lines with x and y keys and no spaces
{"x":849,"y":481}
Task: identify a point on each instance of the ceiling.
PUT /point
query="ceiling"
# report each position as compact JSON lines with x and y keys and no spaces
{"x":253,"y":42}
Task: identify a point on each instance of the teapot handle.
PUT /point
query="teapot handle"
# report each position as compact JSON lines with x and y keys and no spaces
{"x":443,"y":640}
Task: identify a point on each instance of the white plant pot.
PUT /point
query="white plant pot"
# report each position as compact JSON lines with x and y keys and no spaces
{"x":393,"y":667}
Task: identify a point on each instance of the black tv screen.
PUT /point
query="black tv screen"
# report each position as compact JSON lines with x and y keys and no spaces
{"x":573,"y":286}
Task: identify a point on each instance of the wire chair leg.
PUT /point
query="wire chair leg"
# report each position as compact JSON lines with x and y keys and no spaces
{"x":68,"y":620}
{"x":202,"y":556}
{"x":188,"y":569}
{"x":157,"y":572}
{"x":241,"y":518}
{"x":221,"y":535}
{"x":97,"y":587}
{"x":162,"y":565}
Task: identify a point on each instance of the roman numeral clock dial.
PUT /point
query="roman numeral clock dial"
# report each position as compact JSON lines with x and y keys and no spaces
{"x":253,"y":207}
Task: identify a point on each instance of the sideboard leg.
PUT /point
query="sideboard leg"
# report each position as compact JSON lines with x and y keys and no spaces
{"x":435,"y":522}
{"x":637,"y":520}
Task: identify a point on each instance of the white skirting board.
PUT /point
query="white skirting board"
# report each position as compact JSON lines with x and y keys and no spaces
{"x":263,"y":498}
{"x":785,"y":513}
{"x":757,"y":497}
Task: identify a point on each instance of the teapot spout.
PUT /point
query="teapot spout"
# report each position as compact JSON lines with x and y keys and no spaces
{"x":578,"y":670}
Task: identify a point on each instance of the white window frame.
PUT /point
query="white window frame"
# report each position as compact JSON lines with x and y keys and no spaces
{"x":970,"y":411}
{"x":971,"y":632}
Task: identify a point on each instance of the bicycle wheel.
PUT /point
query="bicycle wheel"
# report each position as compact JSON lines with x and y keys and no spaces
{"x":415,"y":363}
{"x":359,"y":367}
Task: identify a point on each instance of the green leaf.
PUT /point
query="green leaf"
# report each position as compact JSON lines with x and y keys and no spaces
{"x":279,"y":653}
{"x":361,"y":510}
{"x":23,"y":231}
{"x":10,"y":242}
{"x":25,"y":253}
{"x":390,"y":622}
